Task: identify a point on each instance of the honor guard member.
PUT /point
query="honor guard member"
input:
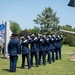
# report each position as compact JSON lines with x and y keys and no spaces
{"x":59,"y":45}
{"x":14,"y":51}
{"x":25,"y":52}
{"x":56,"y":46}
{"x":48,"y":49}
{"x":21,"y":39}
{"x":34,"y":50}
{"x":52,"y":47}
{"x":42,"y":49}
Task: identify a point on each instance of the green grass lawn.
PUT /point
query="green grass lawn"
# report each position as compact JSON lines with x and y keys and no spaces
{"x":60,"y":67}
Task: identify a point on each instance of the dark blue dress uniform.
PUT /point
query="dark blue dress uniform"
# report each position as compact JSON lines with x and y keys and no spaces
{"x":42,"y":50}
{"x":25,"y":52}
{"x":48,"y":49}
{"x":13,"y":50}
{"x":56,"y":46}
{"x":52,"y":47}
{"x":34,"y":50}
{"x":59,"y":45}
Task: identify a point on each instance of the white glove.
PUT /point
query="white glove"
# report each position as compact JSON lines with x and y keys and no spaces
{"x":47,"y":38}
{"x":52,"y":39}
{"x":25,"y":40}
{"x":35,"y":38}
{"x":41,"y":39}
{"x":17,"y":54}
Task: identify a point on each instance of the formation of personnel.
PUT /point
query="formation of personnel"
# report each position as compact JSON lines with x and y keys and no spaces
{"x":38,"y":46}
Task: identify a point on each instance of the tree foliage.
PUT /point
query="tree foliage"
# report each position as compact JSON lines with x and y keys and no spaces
{"x":23,"y":33}
{"x":68,"y":38}
{"x":27,"y":32}
{"x":15,"y":27}
{"x":35,"y":30}
{"x":47,"y":20}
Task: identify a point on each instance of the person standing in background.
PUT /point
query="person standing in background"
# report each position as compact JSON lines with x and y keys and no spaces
{"x":14,"y":51}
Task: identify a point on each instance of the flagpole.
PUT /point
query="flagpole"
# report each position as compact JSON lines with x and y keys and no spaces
{"x":7,"y":38}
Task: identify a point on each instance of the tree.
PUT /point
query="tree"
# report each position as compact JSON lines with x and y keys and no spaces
{"x":47,"y":20}
{"x":23,"y":33}
{"x":15,"y":27}
{"x":68,"y":38}
{"x":67,"y":27}
{"x":35,"y":30}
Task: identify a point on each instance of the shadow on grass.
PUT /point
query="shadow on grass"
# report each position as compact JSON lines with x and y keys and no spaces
{"x":23,"y":68}
{"x":6,"y":70}
{"x":26,"y":66}
{"x":2,"y":57}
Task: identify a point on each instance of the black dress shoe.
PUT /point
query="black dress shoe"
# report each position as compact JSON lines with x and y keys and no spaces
{"x":53,"y":60}
{"x":12,"y":71}
{"x":22,"y":67}
{"x":29,"y":67}
{"x":37,"y":66}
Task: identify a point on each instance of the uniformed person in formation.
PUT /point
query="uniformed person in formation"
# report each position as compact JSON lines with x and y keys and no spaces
{"x":48,"y":49}
{"x":25,"y":52}
{"x":56,"y":46}
{"x":59,"y":45}
{"x":34,"y":50}
{"x":42,"y":49}
{"x":14,"y":51}
{"x":52,"y":47}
